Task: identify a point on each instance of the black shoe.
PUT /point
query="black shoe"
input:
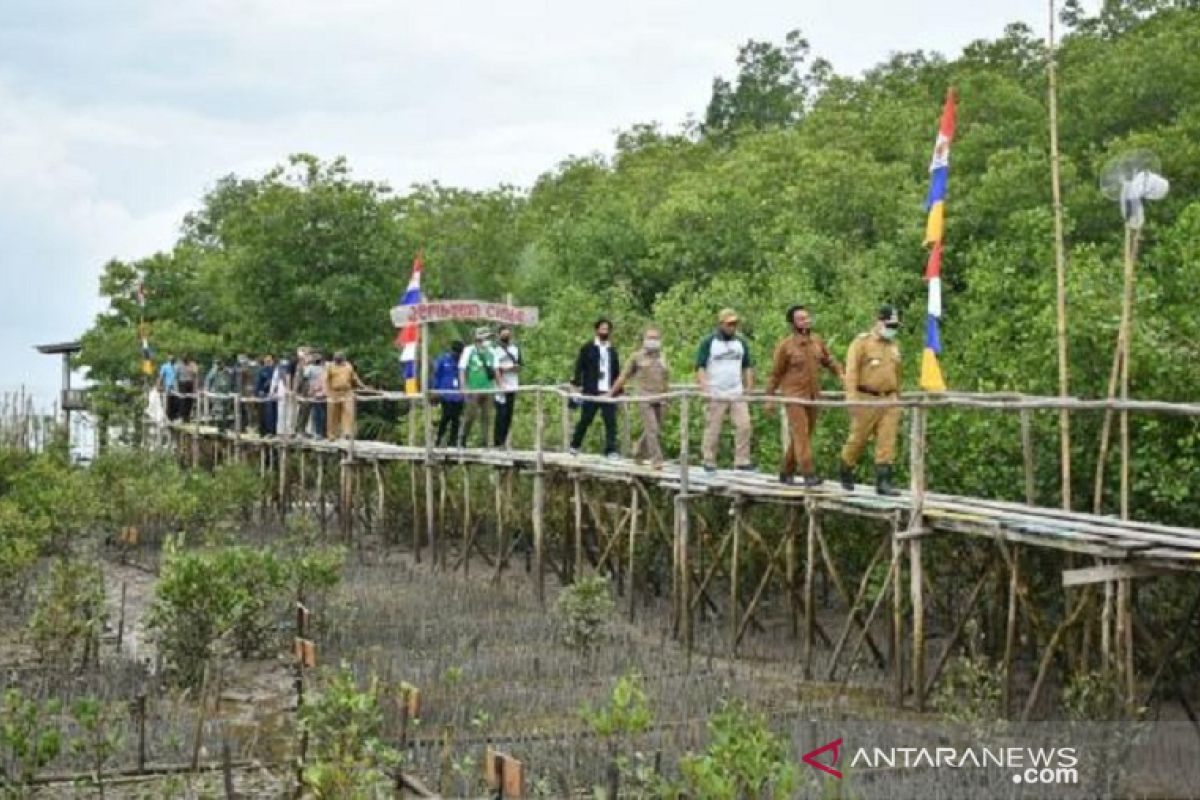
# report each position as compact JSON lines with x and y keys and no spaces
{"x":883,"y":481}
{"x":846,"y":476}
{"x":811,"y":481}
{"x":745,"y":468}
{"x":786,"y":478}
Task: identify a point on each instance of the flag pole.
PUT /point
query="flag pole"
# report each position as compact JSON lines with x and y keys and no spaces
{"x":1060,"y":268}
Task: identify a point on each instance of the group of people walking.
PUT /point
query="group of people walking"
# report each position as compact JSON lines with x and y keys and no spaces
{"x":475,"y":382}
{"x":302,"y":396}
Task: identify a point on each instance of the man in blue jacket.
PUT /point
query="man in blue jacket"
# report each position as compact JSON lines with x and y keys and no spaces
{"x":446,"y":391}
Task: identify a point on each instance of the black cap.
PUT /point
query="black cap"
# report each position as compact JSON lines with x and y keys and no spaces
{"x":889,"y":314}
{"x":457,"y":346}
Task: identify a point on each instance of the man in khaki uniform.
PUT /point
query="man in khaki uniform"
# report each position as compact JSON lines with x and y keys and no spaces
{"x":648,"y":369}
{"x":873,"y":373}
{"x":340,"y":382}
{"x":795,"y":372}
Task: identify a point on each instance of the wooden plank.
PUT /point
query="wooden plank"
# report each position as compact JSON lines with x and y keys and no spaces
{"x":1110,"y":572}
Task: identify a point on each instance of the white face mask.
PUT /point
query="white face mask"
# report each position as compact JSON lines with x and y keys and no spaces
{"x":652,"y":344}
{"x":889,"y":333}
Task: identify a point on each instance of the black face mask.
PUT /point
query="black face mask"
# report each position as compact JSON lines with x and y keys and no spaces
{"x":505,"y":339}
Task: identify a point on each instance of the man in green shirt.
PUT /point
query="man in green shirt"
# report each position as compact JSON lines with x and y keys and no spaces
{"x":477,"y":374}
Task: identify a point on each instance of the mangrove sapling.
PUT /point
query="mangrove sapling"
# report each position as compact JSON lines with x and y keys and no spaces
{"x":29,"y":740}
{"x":626,"y":715}
{"x":585,"y":609}
{"x":69,"y":614}
{"x":100,"y":738}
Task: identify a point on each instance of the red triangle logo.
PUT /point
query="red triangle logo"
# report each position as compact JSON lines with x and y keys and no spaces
{"x":811,"y":758}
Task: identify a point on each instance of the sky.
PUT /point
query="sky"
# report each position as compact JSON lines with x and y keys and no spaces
{"x":117,"y":116}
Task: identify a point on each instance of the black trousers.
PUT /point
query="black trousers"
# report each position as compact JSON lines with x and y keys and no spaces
{"x":448,"y":423}
{"x":504,"y":416}
{"x":588,"y":413}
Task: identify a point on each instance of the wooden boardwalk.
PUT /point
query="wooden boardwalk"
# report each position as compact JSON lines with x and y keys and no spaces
{"x":741,"y":548}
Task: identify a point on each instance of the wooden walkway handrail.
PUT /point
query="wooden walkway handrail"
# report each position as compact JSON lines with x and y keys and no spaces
{"x":966,"y":400}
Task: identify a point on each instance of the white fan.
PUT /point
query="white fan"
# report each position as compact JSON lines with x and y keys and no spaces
{"x":1131,"y":179}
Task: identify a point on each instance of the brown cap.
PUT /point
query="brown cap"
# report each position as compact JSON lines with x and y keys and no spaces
{"x":727,"y":315}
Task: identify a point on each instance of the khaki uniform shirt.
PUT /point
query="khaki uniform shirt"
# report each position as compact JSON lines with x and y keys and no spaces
{"x":650,"y":372}
{"x":797,"y":362}
{"x":872,"y":367}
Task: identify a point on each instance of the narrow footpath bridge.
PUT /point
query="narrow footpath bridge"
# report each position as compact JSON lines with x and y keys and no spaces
{"x":741,"y":555}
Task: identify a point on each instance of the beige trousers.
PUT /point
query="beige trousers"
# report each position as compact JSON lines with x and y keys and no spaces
{"x":714,"y":419}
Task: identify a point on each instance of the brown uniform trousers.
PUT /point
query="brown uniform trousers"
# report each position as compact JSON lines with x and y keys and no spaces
{"x":872,"y":373}
{"x":795,"y":372}
{"x":648,"y":373}
{"x":340,"y":380}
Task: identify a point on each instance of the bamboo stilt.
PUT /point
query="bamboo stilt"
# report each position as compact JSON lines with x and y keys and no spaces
{"x":810,"y":601}
{"x":734,"y":559}
{"x":539,"y":501}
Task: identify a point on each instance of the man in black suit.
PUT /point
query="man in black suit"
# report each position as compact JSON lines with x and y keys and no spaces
{"x":596,"y":371}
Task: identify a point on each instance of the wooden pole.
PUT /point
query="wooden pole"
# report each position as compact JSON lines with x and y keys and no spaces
{"x":1010,"y":630}
{"x":427,"y":406}
{"x":1060,"y":267}
{"x":681,"y":513}
{"x":810,"y":557}
{"x":633,"y":525}
{"x":1028,"y":456}
{"x":733,"y":577}
{"x":1126,"y":337}
{"x":578,"y":504}
{"x":539,"y":499}
{"x":916,"y":567}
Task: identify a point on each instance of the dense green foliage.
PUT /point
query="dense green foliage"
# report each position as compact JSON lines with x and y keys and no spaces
{"x":799,"y":185}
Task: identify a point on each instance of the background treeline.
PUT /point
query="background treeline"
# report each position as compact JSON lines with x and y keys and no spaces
{"x":796,"y":184}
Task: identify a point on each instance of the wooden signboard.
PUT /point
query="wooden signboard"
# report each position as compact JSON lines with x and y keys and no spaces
{"x":306,"y":653}
{"x":410,"y":699}
{"x":446,"y":310}
{"x":504,"y":774}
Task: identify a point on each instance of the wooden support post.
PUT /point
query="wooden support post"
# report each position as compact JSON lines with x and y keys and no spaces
{"x":734,"y":597}
{"x":789,"y":571}
{"x":916,"y":582}
{"x":566,"y":423}
{"x":578,"y":505}
{"x":1010,"y":630}
{"x":635,"y":497}
{"x":539,"y":499}
{"x":897,"y":614}
{"x":380,"y":501}
{"x":1125,"y":640}
{"x":683,"y":527}
{"x":810,"y":595}
{"x":427,"y":414}
{"x":466,"y":516}
{"x":501,"y":541}
{"x":320,"y":490}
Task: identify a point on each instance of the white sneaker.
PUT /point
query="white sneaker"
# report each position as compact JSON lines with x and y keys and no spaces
{"x":613,"y":456}
{"x":574,"y":451}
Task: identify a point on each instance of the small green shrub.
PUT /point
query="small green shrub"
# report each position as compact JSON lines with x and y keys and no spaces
{"x":29,"y":739}
{"x":100,"y":736}
{"x":584,"y":609}
{"x":970,"y":691}
{"x":744,"y":760}
{"x":69,"y":615}
{"x":348,"y":757}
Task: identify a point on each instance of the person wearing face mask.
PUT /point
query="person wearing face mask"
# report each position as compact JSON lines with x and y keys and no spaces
{"x":596,"y":370}
{"x":873,"y":373}
{"x":795,"y":372}
{"x":648,"y":369}
{"x":340,"y":382}
{"x":507,"y":357}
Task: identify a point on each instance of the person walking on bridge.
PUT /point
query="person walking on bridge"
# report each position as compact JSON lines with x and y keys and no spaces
{"x":795,"y":372}
{"x":647,"y":368}
{"x":446,"y":388}
{"x":873,"y":372}
{"x":508,"y":369}
{"x":340,"y":382}
{"x":596,"y":369}
{"x":477,"y":373}
{"x":725,"y":373}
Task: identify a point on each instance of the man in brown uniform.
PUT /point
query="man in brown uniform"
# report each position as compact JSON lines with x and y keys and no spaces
{"x":648,"y":369}
{"x":340,"y":382}
{"x":873,"y":373}
{"x":796,"y":373}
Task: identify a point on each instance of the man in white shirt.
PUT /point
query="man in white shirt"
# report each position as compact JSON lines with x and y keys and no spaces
{"x":725,"y":372}
{"x":507,"y":357}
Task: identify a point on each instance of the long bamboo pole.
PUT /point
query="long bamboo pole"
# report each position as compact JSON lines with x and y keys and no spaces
{"x":1060,"y":266}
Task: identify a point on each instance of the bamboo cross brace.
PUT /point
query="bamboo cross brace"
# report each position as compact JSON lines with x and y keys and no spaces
{"x":1048,"y":655}
{"x":893,"y":569}
{"x":959,"y":627}
{"x":777,"y":559}
{"x":757,"y":596}
{"x":854,"y":615}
